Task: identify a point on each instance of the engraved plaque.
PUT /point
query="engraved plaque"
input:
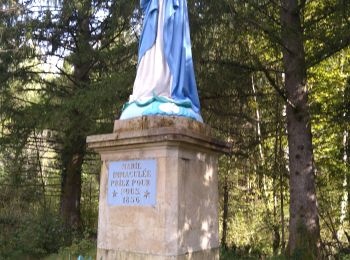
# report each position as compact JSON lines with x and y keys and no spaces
{"x":132,"y":183}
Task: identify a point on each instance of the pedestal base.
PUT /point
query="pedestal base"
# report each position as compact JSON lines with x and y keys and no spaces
{"x":183,"y":223}
{"x":211,"y":254}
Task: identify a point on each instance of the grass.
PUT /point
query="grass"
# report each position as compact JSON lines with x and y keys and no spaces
{"x":84,"y":248}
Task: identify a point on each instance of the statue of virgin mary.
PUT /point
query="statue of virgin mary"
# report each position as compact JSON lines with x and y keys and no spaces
{"x":165,"y":82}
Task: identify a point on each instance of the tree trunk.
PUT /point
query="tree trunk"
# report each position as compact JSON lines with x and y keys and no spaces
{"x":283,"y":243}
{"x":71,"y":183}
{"x":346,"y":145}
{"x":258,"y":120}
{"x":346,"y":156}
{"x":75,"y":137}
{"x":276,"y":235}
{"x":304,"y":231}
{"x":281,"y":172}
{"x":225,"y":213}
{"x":345,"y":196}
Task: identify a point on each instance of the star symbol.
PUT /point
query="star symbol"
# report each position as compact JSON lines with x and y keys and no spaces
{"x":114,"y":194}
{"x":146,"y":194}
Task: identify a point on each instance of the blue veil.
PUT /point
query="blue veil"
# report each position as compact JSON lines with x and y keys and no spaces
{"x":177,"y":51}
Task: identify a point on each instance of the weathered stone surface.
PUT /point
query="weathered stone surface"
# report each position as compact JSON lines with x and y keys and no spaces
{"x":184,"y":222}
{"x":212,"y":254}
{"x":153,"y":129}
{"x":155,"y":122}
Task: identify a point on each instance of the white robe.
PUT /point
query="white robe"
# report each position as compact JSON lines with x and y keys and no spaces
{"x":153,"y":74}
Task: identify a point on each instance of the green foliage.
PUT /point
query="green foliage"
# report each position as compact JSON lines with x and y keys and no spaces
{"x":32,"y":235}
{"x":245,"y":253}
{"x":84,"y":247}
{"x":239,"y":253}
{"x":237,"y":53}
{"x":344,"y":256}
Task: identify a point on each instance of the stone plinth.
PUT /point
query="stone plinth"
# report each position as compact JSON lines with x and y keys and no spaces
{"x":183,"y":223}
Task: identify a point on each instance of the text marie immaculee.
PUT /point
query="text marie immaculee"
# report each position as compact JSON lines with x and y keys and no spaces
{"x":132,"y":183}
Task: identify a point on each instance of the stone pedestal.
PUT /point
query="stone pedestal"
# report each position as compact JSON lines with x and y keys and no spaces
{"x":183,"y":222}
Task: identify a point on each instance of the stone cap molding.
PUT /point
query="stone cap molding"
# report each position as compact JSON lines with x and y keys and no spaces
{"x":159,"y":129}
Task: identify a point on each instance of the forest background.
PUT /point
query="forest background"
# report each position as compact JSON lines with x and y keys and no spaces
{"x":273,"y":79}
